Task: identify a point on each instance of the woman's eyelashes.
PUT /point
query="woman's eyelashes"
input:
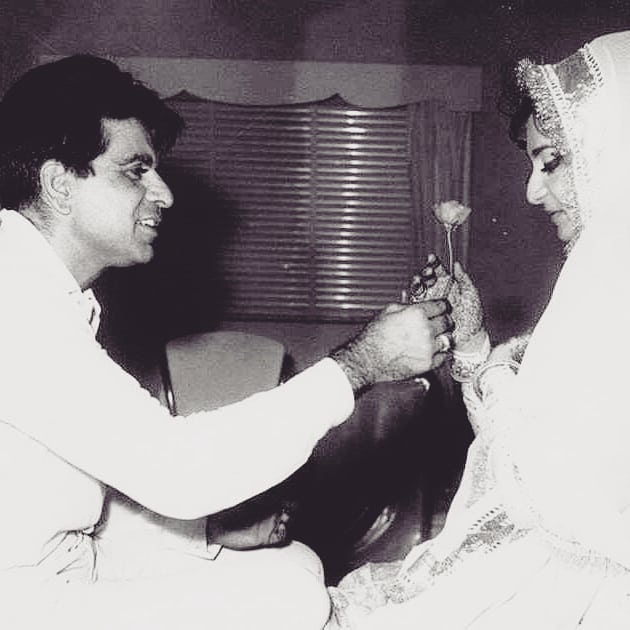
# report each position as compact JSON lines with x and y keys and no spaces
{"x":551,"y":165}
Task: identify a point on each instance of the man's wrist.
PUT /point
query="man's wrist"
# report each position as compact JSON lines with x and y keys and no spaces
{"x":352,"y":360}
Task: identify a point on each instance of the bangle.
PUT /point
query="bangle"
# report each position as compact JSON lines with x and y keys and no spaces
{"x":481,"y":372}
{"x":465,"y":365}
{"x":464,"y":368}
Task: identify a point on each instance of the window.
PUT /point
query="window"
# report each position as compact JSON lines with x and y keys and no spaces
{"x":322,"y":202}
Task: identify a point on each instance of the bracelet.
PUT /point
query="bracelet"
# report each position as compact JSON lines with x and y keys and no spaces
{"x":463,"y":369}
{"x":465,"y":365}
{"x":481,"y":372}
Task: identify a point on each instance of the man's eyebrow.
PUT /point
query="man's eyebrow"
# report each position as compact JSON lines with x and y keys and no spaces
{"x":143,"y":158}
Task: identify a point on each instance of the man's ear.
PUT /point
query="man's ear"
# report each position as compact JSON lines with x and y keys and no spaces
{"x":55,"y":181}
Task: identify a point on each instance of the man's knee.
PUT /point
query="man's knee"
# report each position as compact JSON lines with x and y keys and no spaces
{"x":286,"y":587}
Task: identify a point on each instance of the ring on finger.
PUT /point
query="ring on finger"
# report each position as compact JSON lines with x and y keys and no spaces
{"x":444,"y":342}
{"x":449,"y":322}
{"x":416,"y":292}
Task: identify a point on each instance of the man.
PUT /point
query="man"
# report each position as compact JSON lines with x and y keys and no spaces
{"x":79,"y":147}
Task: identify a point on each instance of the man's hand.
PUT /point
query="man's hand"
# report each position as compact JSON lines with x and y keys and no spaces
{"x":271,"y":530}
{"x":402,"y":341}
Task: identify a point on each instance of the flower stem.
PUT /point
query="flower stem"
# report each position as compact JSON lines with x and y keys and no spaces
{"x":449,"y":244}
{"x":451,"y":259}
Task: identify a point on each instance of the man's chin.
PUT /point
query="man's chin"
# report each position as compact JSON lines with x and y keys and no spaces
{"x":144,"y":254}
{"x":140,"y":258}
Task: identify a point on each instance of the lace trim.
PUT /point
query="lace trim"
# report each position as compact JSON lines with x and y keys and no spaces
{"x":593,"y":66}
{"x":559,"y":92}
{"x":484,"y":536}
{"x":532,"y":80}
{"x":464,"y":365}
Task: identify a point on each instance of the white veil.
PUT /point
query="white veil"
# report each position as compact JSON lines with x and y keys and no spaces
{"x":562,"y":460}
{"x":546,"y":487}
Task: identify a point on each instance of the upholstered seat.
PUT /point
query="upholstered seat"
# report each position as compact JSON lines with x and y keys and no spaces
{"x":208,"y":370}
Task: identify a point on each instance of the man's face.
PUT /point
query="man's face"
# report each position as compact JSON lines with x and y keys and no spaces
{"x":116,"y":211}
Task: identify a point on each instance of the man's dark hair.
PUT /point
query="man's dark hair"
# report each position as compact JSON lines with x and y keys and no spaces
{"x":56,"y":111}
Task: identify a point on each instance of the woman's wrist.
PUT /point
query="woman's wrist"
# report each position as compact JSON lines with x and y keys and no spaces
{"x":470,"y":356}
{"x":489,"y":375}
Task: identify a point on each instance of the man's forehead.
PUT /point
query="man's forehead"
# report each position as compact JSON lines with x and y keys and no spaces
{"x":128,"y":140}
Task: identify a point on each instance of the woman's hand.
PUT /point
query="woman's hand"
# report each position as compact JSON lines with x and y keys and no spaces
{"x":433,"y":282}
{"x":430,"y":284}
{"x":467,"y":309}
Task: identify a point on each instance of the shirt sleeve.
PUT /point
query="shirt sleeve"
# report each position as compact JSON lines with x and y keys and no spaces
{"x":62,"y":389}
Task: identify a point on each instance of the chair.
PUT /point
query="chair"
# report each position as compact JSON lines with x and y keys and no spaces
{"x":204,"y":371}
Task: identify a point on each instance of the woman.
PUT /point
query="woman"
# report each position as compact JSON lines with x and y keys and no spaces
{"x":538,"y":535}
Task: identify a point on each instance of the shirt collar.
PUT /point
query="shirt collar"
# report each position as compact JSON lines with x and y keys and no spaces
{"x":89,"y":305}
{"x":44,"y":259}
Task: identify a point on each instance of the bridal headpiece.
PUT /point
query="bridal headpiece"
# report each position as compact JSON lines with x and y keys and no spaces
{"x":565,"y":99}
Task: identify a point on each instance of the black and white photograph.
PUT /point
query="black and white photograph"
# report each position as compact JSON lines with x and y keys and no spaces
{"x":314,"y":314}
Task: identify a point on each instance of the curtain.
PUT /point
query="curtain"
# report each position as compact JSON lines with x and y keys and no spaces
{"x":440,"y":146}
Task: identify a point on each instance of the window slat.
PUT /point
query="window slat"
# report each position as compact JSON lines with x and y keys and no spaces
{"x":322,"y":204}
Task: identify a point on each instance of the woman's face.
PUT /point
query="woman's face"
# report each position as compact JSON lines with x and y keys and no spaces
{"x":549,"y":184}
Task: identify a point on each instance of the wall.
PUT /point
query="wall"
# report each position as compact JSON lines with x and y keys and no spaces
{"x":513,"y":253}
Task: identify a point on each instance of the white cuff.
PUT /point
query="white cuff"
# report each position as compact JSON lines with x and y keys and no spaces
{"x":213,"y":550}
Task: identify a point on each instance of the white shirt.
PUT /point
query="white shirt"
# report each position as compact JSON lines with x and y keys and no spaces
{"x":72,"y":421}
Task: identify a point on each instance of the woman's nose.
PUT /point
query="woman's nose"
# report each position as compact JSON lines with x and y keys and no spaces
{"x":159,"y":192}
{"x":535,"y":188}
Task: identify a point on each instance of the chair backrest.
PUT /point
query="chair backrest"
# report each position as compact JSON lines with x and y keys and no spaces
{"x":208,"y":370}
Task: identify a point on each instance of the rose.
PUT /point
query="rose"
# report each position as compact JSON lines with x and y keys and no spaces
{"x":451,"y":213}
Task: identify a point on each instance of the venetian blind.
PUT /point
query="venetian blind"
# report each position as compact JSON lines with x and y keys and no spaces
{"x":322,"y":199}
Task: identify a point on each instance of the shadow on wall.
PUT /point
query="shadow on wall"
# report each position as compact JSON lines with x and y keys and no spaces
{"x":181,"y":290}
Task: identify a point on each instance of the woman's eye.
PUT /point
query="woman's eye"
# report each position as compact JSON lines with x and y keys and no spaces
{"x":551,"y":165}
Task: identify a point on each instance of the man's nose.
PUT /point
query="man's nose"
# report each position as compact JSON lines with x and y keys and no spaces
{"x":535,"y":188}
{"x":158,"y":192}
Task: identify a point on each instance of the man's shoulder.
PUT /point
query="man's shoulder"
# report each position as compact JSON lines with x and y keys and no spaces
{"x":28,"y":267}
